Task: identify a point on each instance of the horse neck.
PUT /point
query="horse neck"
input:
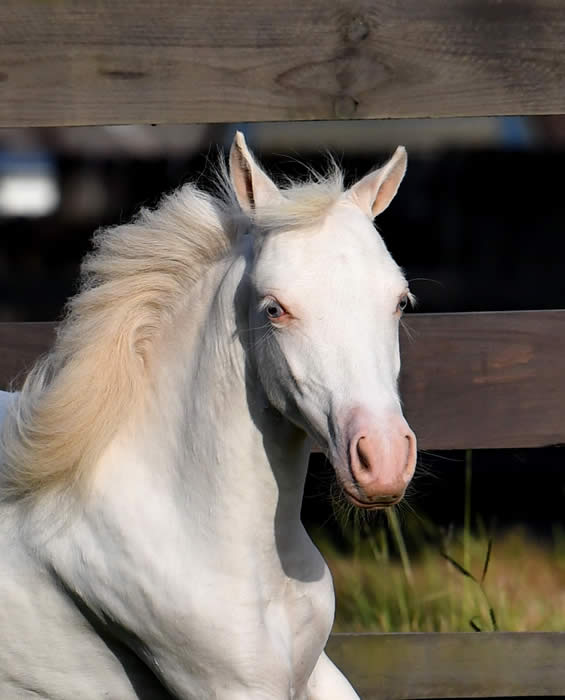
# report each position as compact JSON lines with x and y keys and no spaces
{"x":216,"y":449}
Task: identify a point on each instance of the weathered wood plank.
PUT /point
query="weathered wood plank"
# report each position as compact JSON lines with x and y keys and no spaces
{"x":472,"y":380}
{"x":65,"y":62}
{"x":480,"y":380}
{"x":20,"y":346}
{"x":486,"y":665}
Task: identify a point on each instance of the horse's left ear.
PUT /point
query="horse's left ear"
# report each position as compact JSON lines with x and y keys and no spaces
{"x":252,"y":186}
{"x":376,"y":190}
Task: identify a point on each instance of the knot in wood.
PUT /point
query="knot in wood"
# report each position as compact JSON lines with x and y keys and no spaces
{"x":357,"y":30}
{"x":345,"y":107}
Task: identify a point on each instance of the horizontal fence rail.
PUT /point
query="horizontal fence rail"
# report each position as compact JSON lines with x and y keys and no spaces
{"x":485,"y":380}
{"x":474,"y":665}
{"x":473,"y":380}
{"x":426,"y":666}
{"x":64,"y":62}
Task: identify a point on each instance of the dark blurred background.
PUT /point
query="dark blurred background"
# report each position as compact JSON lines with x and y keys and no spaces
{"x":477,"y":225}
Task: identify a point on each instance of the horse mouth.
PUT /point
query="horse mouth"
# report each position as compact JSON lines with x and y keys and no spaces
{"x":382,"y":504}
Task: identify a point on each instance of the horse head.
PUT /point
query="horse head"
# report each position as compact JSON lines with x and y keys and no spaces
{"x":324,"y":313}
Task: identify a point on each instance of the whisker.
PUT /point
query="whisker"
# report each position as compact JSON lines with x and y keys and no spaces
{"x":251,"y":330}
{"x":410,"y":332}
{"x":426,"y":279}
{"x":434,"y":454}
{"x":263,"y":339}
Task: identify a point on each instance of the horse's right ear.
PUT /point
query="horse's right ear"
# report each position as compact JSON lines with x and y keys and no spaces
{"x":253,"y":187}
{"x":377,"y":189}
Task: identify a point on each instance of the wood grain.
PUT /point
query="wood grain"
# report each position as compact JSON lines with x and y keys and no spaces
{"x":472,"y":380}
{"x":485,"y":380}
{"x":21,"y":344}
{"x":478,"y":665}
{"x":68,"y":62}
{"x":418,"y":666}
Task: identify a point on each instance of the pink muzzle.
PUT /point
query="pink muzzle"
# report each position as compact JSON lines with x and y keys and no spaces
{"x":381,"y":458}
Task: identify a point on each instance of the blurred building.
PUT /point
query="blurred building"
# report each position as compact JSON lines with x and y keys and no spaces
{"x":477,"y":223}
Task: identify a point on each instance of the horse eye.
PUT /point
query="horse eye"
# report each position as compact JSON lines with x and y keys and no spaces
{"x":403,"y":303}
{"x":274,"y":309}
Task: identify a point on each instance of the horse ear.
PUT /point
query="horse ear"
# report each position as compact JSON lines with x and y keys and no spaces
{"x":252,"y":186}
{"x":375,"y":191}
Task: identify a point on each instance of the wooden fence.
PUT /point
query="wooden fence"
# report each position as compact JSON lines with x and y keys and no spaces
{"x":78,"y":62}
{"x":469,"y":380}
{"x":472,"y":380}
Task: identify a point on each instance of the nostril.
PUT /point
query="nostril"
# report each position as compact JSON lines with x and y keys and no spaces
{"x":410,"y":456}
{"x":363,"y":453}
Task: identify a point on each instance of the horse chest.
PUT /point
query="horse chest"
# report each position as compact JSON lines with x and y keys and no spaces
{"x":298,"y":624}
{"x":269,"y":634}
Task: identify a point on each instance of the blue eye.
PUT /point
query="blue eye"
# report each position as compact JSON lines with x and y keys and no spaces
{"x":403,"y":303}
{"x":274,"y":310}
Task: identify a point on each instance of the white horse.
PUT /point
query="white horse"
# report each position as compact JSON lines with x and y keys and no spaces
{"x":152,"y":467}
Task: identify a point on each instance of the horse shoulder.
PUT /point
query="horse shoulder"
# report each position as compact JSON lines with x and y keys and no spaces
{"x":47,"y":647}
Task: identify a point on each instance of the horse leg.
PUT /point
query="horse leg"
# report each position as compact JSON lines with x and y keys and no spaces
{"x":327,"y":682}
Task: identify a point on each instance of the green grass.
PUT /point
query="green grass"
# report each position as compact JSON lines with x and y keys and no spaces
{"x":408,"y":575}
{"x":383,"y":586}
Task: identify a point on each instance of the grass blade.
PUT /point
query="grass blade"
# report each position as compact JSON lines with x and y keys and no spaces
{"x":493,"y":619}
{"x":458,"y":566}
{"x":487,"y":560}
{"x":467,"y":510}
{"x":474,"y":625}
{"x":396,"y":530}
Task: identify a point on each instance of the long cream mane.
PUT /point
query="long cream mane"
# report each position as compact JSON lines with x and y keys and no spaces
{"x":75,"y":399}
